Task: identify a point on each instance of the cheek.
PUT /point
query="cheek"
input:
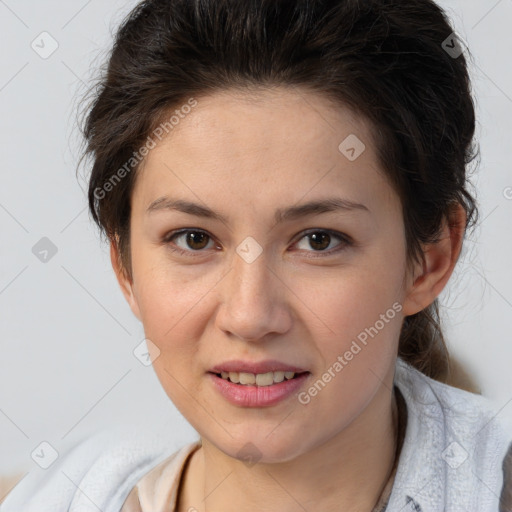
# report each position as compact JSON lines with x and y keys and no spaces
{"x":356,"y":352}
{"x":174,"y":315}
{"x":173,"y":321}
{"x":358,"y":313}
{"x":350,"y":299}
{"x":168,"y":295}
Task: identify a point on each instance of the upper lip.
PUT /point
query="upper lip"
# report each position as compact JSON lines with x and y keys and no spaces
{"x":256,"y":367}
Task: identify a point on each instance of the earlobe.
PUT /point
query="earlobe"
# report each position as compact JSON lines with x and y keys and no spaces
{"x":125,"y":283}
{"x":440,"y":260}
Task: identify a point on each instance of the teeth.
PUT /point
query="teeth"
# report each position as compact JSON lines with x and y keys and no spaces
{"x":260,"y":379}
{"x":234,"y":377}
{"x":265,"y":379}
{"x":278,"y":376}
{"x":247,"y":378}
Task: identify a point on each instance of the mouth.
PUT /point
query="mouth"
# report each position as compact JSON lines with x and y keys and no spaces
{"x":245,"y":389}
{"x":259,"y":379}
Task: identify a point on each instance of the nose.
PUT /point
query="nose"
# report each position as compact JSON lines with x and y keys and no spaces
{"x":254,"y":301}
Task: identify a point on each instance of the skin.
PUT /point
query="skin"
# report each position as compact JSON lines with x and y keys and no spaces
{"x":244,"y":156}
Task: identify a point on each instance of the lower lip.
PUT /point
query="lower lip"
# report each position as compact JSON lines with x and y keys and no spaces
{"x":257,"y":396}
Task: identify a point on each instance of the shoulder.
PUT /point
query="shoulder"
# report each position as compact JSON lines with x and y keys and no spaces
{"x":455,"y":444}
{"x":100,"y":469}
{"x":462,"y":413}
{"x":53,"y":486}
{"x":432,"y":394}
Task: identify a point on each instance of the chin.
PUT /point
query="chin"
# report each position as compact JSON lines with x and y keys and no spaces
{"x":253,"y":447}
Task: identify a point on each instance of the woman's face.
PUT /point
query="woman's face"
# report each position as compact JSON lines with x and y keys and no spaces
{"x":255,"y":277}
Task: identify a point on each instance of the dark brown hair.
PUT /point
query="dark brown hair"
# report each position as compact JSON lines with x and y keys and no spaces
{"x":395,"y":63}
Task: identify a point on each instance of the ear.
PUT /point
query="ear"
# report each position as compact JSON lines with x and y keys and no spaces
{"x":123,"y":279}
{"x":440,"y":260}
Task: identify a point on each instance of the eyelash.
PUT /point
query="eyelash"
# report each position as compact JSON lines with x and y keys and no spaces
{"x":346,"y":241}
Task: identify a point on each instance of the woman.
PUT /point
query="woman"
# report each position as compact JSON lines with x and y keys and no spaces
{"x":284,"y":189}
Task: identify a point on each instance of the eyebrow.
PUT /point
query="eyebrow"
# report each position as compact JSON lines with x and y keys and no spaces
{"x":333,"y":204}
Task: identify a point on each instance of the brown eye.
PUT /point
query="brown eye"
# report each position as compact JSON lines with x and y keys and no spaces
{"x":196,"y":240}
{"x":320,"y":240}
{"x":192,"y":240}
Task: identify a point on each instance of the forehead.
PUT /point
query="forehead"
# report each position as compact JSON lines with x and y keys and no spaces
{"x":280,"y":142}
{"x":269,"y":118}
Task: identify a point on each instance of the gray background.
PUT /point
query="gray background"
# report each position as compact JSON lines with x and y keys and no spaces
{"x":66,"y":334}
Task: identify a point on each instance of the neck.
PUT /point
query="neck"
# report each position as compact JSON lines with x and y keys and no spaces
{"x":349,"y":471}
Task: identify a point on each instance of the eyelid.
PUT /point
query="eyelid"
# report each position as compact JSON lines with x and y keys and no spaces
{"x":330,"y":232}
